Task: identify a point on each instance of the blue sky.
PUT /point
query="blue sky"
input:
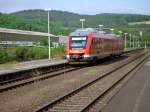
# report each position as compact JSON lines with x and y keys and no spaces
{"x":79,"y":6}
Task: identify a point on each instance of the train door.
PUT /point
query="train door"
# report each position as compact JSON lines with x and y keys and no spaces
{"x":103,"y":46}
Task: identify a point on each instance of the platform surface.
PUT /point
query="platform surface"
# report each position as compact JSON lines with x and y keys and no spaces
{"x":135,"y":95}
{"x":30,"y":65}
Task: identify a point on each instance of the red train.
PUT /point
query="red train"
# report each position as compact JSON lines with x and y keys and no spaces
{"x":88,"y":45}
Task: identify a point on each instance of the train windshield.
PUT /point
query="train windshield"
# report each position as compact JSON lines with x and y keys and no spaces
{"x":78,"y":42}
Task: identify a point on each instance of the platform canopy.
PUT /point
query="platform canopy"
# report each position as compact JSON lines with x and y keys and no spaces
{"x":21,"y":35}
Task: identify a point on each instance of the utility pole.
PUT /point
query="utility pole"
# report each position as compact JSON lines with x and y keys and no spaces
{"x":100,"y":27}
{"x":130,"y":40}
{"x":133,"y":41}
{"x":141,"y":34}
{"x":112,"y":30}
{"x":125,"y":40}
{"x":138,"y":41}
{"x":49,"y":41}
{"x":82,"y":20}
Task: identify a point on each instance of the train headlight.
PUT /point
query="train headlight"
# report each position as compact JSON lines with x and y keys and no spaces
{"x":86,"y":56}
{"x":67,"y":56}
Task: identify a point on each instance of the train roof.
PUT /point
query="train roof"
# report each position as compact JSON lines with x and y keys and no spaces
{"x":84,"y":32}
{"x":96,"y":33}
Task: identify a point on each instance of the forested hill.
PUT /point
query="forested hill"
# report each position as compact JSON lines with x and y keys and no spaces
{"x":64,"y":22}
{"x":72,"y":20}
{"x":9,"y":21}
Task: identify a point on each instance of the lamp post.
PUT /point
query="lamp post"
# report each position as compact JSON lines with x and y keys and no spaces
{"x":130,"y":40}
{"x":100,"y":27}
{"x":49,"y":41}
{"x":82,"y":20}
{"x":125,"y":40}
{"x":120,"y":33}
{"x":138,"y":41}
{"x":133,"y":41}
{"x":112,"y":30}
{"x":141,"y":34}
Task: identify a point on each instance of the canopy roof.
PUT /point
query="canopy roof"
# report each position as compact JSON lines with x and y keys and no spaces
{"x":21,"y":35}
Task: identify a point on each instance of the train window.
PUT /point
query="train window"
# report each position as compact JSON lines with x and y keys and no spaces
{"x":92,"y":44}
{"x":95,"y":43}
{"x":78,"y":42}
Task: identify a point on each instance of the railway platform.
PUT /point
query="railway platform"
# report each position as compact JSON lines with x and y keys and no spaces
{"x":22,"y":66}
{"x":135,"y":95}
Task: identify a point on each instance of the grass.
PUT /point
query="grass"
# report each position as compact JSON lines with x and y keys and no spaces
{"x":8,"y":64}
{"x":138,"y":23}
{"x":16,"y":54}
{"x":146,"y":22}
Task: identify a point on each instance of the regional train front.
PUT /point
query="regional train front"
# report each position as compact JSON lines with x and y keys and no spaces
{"x":78,"y":47}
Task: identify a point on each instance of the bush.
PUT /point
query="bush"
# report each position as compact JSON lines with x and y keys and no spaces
{"x":28,"y":53}
{"x":3,"y":55}
{"x":21,"y":53}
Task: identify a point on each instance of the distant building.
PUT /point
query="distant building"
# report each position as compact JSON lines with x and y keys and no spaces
{"x":62,"y":39}
{"x":16,"y":43}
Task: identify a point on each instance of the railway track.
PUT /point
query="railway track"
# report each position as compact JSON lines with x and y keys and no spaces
{"x":14,"y":83}
{"x":26,"y":74}
{"x":84,"y":97}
